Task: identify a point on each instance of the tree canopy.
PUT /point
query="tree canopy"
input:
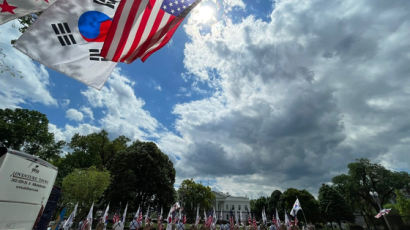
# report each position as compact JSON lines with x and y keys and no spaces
{"x":84,"y":186}
{"x":191,"y":194}
{"x":333,"y":206}
{"x":142,"y":175}
{"x":364,"y":177}
{"x":27,"y":130}
{"x":94,"y":149}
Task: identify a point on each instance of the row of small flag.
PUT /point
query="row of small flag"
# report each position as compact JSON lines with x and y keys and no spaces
{"x":85,"y":39}
{"x":209,"y":220}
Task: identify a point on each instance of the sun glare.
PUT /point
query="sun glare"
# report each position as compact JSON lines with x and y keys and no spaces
{"x":204,"y":14}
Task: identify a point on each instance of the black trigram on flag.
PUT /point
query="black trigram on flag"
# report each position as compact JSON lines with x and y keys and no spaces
{"x":63,"y":33}
{"x":95,"y":55}
{"x":109,"y":3}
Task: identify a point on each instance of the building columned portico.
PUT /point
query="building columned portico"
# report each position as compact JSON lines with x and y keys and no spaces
{"x":227,"y":204}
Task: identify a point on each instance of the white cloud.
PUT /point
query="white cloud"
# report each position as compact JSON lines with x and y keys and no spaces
{"x":231,"y":4}
{"x":87,"y":111}
{"x":298,"y":97}
{"x":30,"y":82}
{"x":68,"y":131}
{"x":74,"y":115}
{"x":124,"y":112}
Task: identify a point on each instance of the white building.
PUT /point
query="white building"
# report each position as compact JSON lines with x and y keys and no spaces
{"x":228,"y":203}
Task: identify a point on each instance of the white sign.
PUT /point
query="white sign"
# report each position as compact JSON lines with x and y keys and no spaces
{"x":25,"y":185}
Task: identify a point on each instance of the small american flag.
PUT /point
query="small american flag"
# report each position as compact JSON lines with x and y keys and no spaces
{"x":382,"y":213}
{"x":85,"y":225}
{"x":141,"y":27}
{"x":116,"y":218}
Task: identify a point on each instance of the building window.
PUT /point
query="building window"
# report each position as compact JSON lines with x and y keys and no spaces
{"x":227,"y":207}
{"x":227,"y":216}
{"x":246,"y":207}
{"x":233,"y":207}
{"x":239,"y":207}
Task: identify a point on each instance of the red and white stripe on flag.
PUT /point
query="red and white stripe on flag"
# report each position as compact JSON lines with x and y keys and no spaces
{"x":141,"y":27}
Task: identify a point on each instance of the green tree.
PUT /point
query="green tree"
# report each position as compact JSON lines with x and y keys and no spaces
{"x":258,"y":205}
{"x":307,"y":202}
{"x":192,"y":194}
{"x":27,"y":130}
{"x":273,"y":202}
{"x":403,"y":205}
{"x":333,"y":206}
{"x":98,"y":148}
{"x":95,"y":149}
{"x":142,"y":175}
{"x":363,"y":177}
{"x":84,"y":186}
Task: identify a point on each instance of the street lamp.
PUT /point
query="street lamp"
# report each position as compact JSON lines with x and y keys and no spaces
{"x":375,"y":197}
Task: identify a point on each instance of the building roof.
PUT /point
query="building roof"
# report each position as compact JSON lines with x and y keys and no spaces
{"x":227,"y":196}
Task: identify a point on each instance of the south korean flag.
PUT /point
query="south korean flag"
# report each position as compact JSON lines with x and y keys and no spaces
{"x":68,"y":37}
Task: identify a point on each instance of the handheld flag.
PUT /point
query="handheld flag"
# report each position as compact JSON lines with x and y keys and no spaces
{"x":68,"y":37}
{"x":69,"y":222}
{"x":382,"y":213}
{"x":277,"y":219}
{"x":169,"y":219}
{"x":105,"y":216}
{"x":198,"y":218}
{"x":88,"y":222}
{"x":264,"y":219}
{"x":137,"y":214}
{"x":160,"y":220}
{"x":141,"y":27}
{"x":115,"y":218}
{"x":287,"y":222}
{"x":124,"y":215}
{"x":296,"y":208}
{"x":205,"y":216}
{"x":12,"y":9}
{"x":146,"y":216}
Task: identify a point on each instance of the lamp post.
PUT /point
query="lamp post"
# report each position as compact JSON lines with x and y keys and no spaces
{"x":375,"y":197}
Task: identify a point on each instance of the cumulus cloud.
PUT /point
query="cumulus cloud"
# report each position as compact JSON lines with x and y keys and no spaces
{"x":67,"y":132}
{"x":74,"y":115}
{"x":123,"y":111}
{"x":299,"y":96}
{"x":22,"y":81}
{"x":88,"y":111}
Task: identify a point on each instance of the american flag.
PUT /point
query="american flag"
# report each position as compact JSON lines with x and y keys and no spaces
{"x":85,"y":225}
{"x":382,"y":213}
{"x":254,"y":223}
{"x":231,"y":222}
{"x":116,"y":218}
{"x":141,"y":27}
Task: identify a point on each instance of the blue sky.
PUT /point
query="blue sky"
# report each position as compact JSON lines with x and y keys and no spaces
{"x":261,"y":95}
